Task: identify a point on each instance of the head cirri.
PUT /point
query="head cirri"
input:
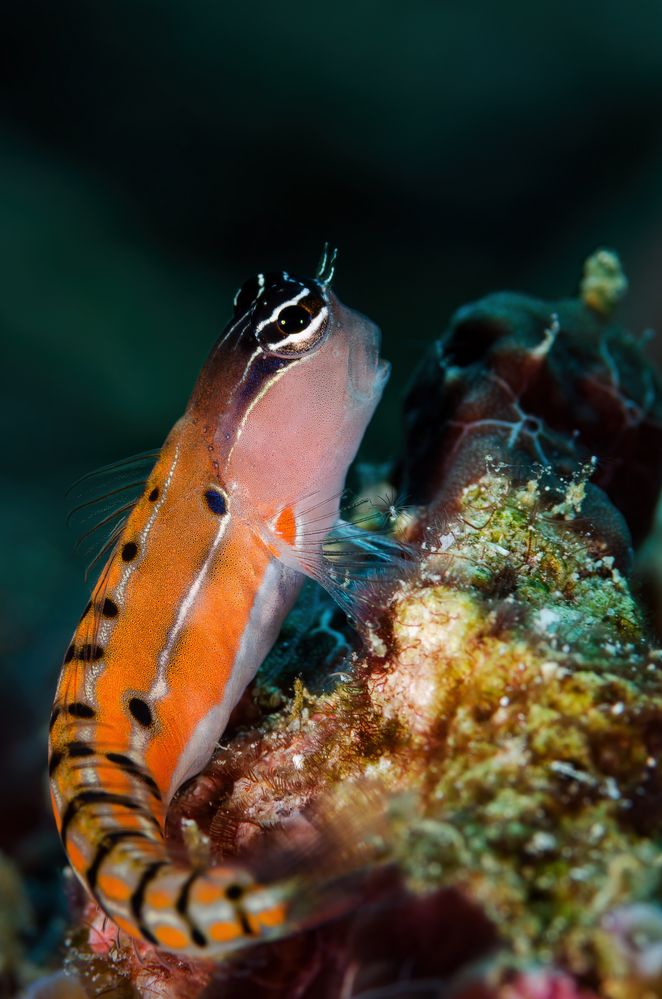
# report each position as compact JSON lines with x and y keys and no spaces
{"x":290,"y":385}
{"x":289,"y":314}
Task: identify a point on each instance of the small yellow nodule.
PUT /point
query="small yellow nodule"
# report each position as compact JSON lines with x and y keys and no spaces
{"x":603,"y":283}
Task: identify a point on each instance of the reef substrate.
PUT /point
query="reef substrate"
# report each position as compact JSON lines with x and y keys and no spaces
{"x":470,"y":803}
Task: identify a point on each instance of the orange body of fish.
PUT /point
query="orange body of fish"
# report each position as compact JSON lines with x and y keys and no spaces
{"x":208,"y":562}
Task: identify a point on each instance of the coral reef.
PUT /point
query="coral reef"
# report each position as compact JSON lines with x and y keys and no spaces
{"x":469,"y":803}
{"x":555,"y":384}
{"x":15,"y":918}
{"x":648,"y":575}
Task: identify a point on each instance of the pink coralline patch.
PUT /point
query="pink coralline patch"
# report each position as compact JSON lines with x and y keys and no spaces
{"x":540,"y":983}
{"x":429,"y":634}
{"x":544,"y":984}
{"x":112,"y":964}
{"x":103,"y":934}
{"x":635,"y":931}
{"x":244,"y":794}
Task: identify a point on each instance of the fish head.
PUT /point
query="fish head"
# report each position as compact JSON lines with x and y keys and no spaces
{"x":295,"y":379}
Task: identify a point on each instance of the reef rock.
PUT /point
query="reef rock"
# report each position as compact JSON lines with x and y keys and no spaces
{"x":469,"y":803}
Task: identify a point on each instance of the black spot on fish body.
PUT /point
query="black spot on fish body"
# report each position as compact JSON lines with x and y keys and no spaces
{"x":79,"y":749}
{"x":154,"y":495}
{"x":109,"y":608}
{"x":181,"y":905}
{"x":54,"y":762}
{"x":141,"y":711}
{"x":216,"y":501}
{"x":79,"y":710}
{"x":90,"y":653}
{"x":70,"y":653}
{"x":129,"y":551}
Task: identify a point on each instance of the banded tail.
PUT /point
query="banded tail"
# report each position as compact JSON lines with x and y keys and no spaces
{"x":208,"y":563}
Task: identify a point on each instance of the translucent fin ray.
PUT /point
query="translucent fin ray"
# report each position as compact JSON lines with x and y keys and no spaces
{"x":104,"y":498}
{"x":349,"y":561}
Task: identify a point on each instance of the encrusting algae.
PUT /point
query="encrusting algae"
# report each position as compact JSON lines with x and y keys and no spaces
{"x":469,"y":804}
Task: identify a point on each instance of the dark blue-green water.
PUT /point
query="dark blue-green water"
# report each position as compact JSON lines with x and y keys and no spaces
{"x":154,"y":154}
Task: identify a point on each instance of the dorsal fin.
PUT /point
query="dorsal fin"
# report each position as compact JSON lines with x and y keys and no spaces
{"x":102,"y":502}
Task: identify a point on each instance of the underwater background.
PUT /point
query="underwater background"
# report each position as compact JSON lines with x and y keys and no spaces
{"x":153,"y":155}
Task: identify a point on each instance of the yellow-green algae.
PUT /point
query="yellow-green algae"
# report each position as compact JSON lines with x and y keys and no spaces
{"x":603,"y":282}
{"x":547,"y":696}
{"x":503,"y":727}
{"x":520,"y":700}
{"x":507,"y":717}
{"x":500,"y":732}
{"x":15,"y":919}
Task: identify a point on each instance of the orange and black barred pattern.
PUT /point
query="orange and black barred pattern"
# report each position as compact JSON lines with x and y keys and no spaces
{"x":200,"y":577}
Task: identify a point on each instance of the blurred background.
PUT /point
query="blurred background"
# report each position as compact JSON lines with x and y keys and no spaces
{"x":155,"y":153}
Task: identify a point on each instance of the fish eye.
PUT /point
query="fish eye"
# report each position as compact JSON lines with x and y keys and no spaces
{"x":294,"y":319}
{"x":293,"y":327}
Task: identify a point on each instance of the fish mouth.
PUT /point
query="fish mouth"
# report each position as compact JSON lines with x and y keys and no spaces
{"x":383,"y":373}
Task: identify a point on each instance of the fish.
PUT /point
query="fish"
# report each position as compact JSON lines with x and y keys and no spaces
{"x":242,"y":503}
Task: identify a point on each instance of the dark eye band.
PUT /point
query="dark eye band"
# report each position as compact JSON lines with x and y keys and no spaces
{"x":288,"y":316}
{"x":248,"y":293}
